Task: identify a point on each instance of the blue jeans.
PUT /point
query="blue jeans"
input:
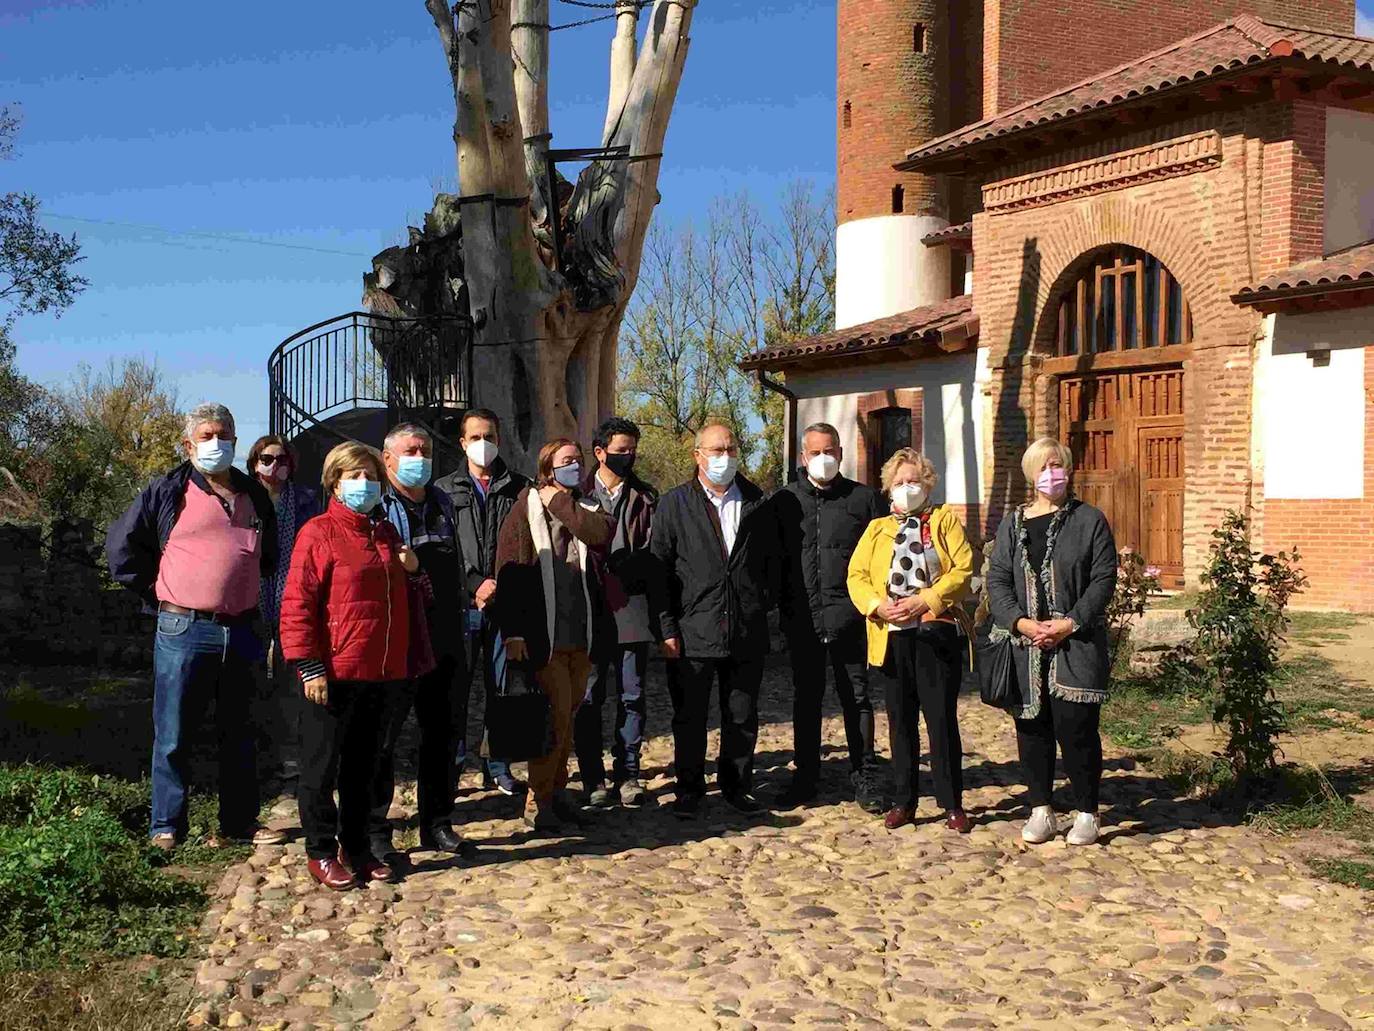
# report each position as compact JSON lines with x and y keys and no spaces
{"x":629,"y":718}
{"x":194,"y":661}
{"x":485,"y":645}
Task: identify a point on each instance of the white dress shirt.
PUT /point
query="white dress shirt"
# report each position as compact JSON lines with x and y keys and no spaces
{"x":728,"y":505}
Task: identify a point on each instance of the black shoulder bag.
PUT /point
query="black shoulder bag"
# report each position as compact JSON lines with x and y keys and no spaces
{"x":519,"y":724}
{"x":997,"y":685}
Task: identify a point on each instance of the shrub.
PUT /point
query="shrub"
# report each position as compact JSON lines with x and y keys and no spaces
{"x":41,"y":794}
{"x":81,"y":883}
{"x":1135,"y":582}
{"x":1241,"y":618}
{"x":77,"y":875}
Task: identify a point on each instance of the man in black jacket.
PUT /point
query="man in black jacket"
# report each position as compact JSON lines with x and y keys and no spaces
{"x":717,"y":539}
{"x":483,"y":493}
{"x":823,"y":515}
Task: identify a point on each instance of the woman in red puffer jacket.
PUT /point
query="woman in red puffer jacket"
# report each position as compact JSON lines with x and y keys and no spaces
{"x":345,"y":619}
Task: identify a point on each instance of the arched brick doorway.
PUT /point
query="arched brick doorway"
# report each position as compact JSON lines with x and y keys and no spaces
{"x":1122,"y":329}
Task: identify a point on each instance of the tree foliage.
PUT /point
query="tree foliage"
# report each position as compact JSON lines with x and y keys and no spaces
{"x":83,"y":451}
{"x":708,"y":295}
{"x":1241,"y":618}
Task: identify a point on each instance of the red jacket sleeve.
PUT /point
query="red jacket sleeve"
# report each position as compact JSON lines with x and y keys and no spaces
{"x":302,"y":603}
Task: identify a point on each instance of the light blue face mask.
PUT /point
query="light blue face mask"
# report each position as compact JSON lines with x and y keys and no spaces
{"x":362,"y":496}
{"x":214,"y":455}
{"x":413,"y":470}
{"x":721,"y":469}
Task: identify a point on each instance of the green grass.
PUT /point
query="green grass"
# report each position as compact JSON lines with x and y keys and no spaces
{"x":1318,"y":627}
{"x":1353,"y":873}
{"x":1138,"y":715}
{"x":1181,"y":600}
{"x":1317,"y":696}
{"x":1305,"y":800}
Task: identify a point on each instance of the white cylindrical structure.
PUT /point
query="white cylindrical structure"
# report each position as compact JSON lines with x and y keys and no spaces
{"x":882,"y":268}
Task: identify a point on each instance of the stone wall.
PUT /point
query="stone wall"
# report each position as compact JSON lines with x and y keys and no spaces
{"x":56,"y":606}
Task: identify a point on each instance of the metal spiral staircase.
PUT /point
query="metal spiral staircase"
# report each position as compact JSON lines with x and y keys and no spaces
{"x":354,"y":376}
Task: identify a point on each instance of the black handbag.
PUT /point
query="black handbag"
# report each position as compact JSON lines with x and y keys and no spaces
{"x":997,"y":684}
{"x":519,"y":724}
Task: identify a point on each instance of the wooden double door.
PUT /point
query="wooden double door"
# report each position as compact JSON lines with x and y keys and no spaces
{"x":1126,"y":431}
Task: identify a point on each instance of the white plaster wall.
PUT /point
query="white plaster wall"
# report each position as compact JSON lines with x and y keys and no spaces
{"x":1349,"y":184}
{"x":1310,"y":416}
{"x":951,"y":408}
{"x":882,"y":267}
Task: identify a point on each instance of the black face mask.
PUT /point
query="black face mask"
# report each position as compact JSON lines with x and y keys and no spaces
{"x":620,"y":464}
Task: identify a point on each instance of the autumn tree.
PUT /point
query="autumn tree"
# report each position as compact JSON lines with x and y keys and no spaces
{"x":745,"y":279}
{"x":37,"y":274}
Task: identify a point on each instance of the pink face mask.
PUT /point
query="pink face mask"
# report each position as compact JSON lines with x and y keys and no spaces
{"x":1052,"y":482}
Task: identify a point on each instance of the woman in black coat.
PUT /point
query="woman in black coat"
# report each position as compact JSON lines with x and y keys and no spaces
{"x":1050,"y":579}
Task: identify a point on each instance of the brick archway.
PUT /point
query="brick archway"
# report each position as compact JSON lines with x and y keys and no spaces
{"x":1115,"y":220}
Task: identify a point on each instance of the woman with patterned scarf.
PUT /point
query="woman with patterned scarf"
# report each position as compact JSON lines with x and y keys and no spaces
{"x":1050,"y":578}
{"x":279,"y":701}
{"x":908,"y":575}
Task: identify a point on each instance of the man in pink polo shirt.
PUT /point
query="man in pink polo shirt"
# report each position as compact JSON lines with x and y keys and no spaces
{"x":195,"y":545}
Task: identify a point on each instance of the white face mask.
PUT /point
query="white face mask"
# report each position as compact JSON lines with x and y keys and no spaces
{"x":721,"y":469}
{"x":823,"y":468}
{"x":481,"y":453}
{"x":568,"y":475}
{"x":908,"y":498}
{"x":214,"y":455}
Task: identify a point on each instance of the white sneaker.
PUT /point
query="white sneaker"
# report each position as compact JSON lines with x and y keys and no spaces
{"x":1085,"y":829}
{"x":1041,"y":826}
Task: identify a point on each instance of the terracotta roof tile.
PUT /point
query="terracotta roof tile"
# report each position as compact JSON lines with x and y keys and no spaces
{"x":952,"y":320}
{"x":1348,"y":269}
{"x":1233,"y":45}
{"x":950,"y":234}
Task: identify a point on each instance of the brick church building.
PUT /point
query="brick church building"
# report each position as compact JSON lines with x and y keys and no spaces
{"x":1146,"y":228}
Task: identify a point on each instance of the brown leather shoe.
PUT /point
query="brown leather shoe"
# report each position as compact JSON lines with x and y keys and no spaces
{"x":957,"y":820}
{"x":899,"y":816}
{"x":331,"y":873}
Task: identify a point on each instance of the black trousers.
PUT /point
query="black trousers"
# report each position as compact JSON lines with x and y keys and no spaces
{"x":689,"y":686}
{"x":848,"y":664}
{"x":434,"y":698}
{"x":1074,"y":726}
{"x":339,"y":746}
{"x":923,"y":667}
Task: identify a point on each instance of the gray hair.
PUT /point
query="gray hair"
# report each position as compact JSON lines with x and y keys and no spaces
{"x":822,"y":427}
{"x":407,"y":429}
{"x":208,"y":412}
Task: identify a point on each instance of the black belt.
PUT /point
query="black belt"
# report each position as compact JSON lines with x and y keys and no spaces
{"x":222,"y":618}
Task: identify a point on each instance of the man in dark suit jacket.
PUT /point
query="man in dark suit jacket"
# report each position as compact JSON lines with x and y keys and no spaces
{"x":717,"y":540}
{"x":823,"y":515}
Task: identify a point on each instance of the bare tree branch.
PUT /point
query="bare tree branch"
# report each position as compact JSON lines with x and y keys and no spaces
{"x":505,"y":134}
{"x":530,"y":49}
{"x":622,"y":63}
{"x":469,"y":126}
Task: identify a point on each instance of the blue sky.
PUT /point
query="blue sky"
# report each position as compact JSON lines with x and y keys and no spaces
{"x":326,"y":127}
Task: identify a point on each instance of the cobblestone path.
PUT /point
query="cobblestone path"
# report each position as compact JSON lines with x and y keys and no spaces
{"x":818,"y":917}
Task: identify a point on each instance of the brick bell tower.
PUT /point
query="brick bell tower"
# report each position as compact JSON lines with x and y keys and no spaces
{"x":894,"y":93}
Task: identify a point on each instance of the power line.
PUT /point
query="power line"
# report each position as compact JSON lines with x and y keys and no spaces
{"x":223,"y":237}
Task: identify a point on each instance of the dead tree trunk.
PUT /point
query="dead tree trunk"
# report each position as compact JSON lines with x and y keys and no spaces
{"x":546,"y":324}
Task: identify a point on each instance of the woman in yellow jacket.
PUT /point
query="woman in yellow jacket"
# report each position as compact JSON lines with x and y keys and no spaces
{"x":908,"y":574}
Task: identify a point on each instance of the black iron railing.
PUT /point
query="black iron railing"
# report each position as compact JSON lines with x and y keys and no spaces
{"x":410,"y":367}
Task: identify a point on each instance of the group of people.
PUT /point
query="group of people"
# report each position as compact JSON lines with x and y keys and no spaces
{"x":386,"y":592}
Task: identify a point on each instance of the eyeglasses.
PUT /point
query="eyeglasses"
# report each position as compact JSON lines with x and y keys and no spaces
{"x":716,"y":452}
{"x":265,"y":459}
